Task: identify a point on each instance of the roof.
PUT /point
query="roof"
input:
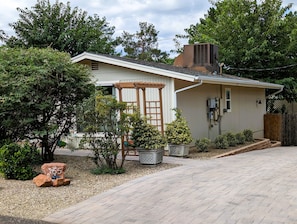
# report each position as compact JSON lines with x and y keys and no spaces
{"x":171,"y":71}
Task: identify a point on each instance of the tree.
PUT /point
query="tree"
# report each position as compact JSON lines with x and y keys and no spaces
{"x":39,"y":91}
{"x":62,"y":28}
{"x":143,"y":44}
{"x":256,"y":40}
{"x":105,"y":123}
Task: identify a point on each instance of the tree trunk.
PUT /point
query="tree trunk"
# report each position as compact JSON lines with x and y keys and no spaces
{"x":47,"y":155}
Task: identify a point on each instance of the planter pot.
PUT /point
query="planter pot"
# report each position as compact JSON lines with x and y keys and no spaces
{"x":178,"y":150}
{"x":150,"y":157}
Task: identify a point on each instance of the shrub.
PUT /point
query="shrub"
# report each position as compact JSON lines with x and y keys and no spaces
{"x":145,"y":135}
{"x":107,"y":170}
{"x":178,"y":132}
{"x":232,"y":141}
{"x":202,"y":144}
{"x":248,"y":135}
{"x":16,"y":161}
{"x":105,"y":115}
{"x":221,"y":142}
{"x":240,"y":137}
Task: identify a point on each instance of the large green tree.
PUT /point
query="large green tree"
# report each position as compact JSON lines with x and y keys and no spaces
{"x":39,"y":91}
{"x":63,"y":28}
{"x":257,"y":39}
{"x":143,"y":44}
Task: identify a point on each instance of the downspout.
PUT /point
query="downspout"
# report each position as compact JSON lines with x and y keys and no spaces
{"x":277,"y":92}
{"x":184,"y":89}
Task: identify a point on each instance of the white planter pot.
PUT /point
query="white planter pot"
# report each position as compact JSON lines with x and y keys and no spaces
{"x":178,"y":150}
{"x":150,"y":157}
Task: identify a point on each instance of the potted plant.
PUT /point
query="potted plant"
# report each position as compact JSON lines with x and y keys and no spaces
{"x":178,"y":135}
{"x":148,"y":141}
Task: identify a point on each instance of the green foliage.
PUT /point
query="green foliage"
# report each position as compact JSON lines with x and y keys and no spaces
{"x":249,"y":136}
{"x":178,"y":132}
{"x":145,"y":135}
{"x":16,"y":162}
{"x":105,"y":123}
{"x":221,"y":142}
{"x":59,"y":26}
{"x":107,"y":170}
{"x":253,"y":37}
{"x":240,"y":138}
{"x":39,"y":91}
{"x":231,"y":138}
{"x":61,"y":143}
{"x":202,"y":144}
{"x":143,"y":44}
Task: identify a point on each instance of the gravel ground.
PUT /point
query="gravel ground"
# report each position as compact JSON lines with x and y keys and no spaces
{"x":24,"y":202}
{"x":23,"y":199}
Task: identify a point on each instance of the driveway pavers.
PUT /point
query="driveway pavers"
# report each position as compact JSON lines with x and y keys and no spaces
{"x":254,"y":187}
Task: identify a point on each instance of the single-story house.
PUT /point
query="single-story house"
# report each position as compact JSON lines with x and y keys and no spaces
{"x":213,"y":103}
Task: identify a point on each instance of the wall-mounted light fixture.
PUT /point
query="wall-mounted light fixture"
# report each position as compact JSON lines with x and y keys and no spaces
{"x":258,"y":101}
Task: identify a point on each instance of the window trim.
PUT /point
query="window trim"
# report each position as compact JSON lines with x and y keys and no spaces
{"x":228,"y":100}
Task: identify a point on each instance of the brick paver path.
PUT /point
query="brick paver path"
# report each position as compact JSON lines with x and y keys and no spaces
{"x":254,"y":187}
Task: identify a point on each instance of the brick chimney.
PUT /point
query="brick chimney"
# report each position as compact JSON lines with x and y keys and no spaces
{"x":199,"y":57}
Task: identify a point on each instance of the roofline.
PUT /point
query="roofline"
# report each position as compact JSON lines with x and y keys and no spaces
{"x":236,"y":82}
{"x":131,"y":65}
{"x":176,"y":75}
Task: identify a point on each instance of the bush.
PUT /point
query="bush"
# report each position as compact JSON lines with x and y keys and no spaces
{"x":232,"y":141}
{"x":221,"y":142}
{"x":16,"y":161}
{"x":107,"y":170}
{"x":240,"y":137}
{"x":178,"y":132}
{"x":248,"y":135}
{"x":202,"y":144}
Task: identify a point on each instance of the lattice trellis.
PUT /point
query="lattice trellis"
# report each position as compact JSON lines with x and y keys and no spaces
{"x":152,"y":109}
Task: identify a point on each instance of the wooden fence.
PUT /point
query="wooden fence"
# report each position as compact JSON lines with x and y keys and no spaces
{"x":281,"y":127}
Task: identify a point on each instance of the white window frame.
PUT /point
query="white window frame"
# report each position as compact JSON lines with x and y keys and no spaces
{"x":108,"y":84}
{"x":228,"y":99}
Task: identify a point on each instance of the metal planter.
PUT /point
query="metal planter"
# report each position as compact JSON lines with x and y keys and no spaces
{"x":178,"y":150}
{"x":150,"y":157}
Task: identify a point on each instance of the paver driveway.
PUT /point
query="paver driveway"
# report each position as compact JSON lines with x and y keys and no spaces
{"x":254,"y":187}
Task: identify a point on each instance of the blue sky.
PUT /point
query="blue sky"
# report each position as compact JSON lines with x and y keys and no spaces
{"x":170,"y":17}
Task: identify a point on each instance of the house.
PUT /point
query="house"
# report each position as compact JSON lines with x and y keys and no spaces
{"x":213,"y":103}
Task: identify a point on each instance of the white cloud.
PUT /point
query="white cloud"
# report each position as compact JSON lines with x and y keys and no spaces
{"x":170,"y":17}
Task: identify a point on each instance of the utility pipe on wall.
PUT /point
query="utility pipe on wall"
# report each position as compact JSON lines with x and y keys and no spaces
{"x":183,"y":89}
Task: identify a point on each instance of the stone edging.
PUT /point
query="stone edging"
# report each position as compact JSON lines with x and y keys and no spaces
{"x":261,"y":144}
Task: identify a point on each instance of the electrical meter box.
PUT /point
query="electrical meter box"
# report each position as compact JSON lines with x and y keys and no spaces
{"x":212,"y":103}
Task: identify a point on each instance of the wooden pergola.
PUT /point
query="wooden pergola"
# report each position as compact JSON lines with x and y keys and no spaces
{"x":153,"y":109}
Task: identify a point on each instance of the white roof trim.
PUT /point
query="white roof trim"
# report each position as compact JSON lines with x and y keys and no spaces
{"x":176,"y":75}
{"x":126,"y":64}
{"x":239,"y":82}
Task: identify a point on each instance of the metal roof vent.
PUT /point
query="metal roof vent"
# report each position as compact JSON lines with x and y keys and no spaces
{"x":201,"y":57}
{"x":94,"y":65}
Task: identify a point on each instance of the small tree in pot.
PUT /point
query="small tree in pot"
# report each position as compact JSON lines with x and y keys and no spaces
{"x":178,"y":135}
{"x":147,"y":139}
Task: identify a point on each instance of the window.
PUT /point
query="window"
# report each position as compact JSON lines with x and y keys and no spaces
{"x":228,"y":99}
{"x":106,"y":89}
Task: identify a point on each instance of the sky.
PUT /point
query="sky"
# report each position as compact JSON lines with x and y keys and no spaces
{"x":170,"y":17}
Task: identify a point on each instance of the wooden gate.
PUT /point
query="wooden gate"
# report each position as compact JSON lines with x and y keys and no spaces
{"x":281,"y":127}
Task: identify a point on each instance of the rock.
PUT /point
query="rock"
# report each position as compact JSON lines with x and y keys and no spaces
{"x":42,"y":180}
{"x":66,"y":182}
{"x":58,"y":182}
{"x":53,"y":175}
{"x":54,"y":170}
